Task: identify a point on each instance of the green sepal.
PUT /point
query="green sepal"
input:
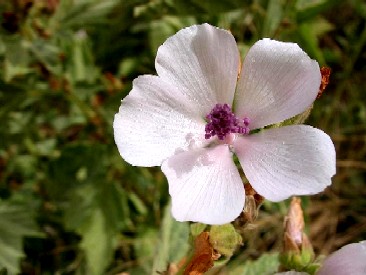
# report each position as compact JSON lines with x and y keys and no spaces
{"x":302,"y":262}
{"x":307,"y":256}
{"x":298,"y":119}
{"x":312,"y":268}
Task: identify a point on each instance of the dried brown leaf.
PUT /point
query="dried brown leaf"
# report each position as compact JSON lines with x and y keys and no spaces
{"x":204,"y":256}
{"x":325,"y":72}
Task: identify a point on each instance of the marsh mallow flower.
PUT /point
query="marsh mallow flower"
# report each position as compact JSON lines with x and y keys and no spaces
{"x":195,"y":114}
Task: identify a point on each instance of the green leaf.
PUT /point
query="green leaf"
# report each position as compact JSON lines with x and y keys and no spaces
{"x":267,"y":264}
{"x":307,"y":10}
{"x":173,"y":244}
{"x":94,"y":207}
{"x":145,"y":248}
{"x":17,"y":59}
{"x":160,"y":30}
{"x":82,"y":67}
{"x":273,"y":18}
{"x":212,"y":7}
{"x":80,"y":14}
{"x":309,"y":34}
{"x":138,"y":203}
{"x":98,"y":212}
{"x":95,"y":213}
{"x":16,"y":221}
{"x":48,"y":54}
{"x":97,"y":242}
{"x":77,"y":165}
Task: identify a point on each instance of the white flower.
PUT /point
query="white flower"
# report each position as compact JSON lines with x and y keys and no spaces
{"x":349,"y":260}
{"x":195,"y":114}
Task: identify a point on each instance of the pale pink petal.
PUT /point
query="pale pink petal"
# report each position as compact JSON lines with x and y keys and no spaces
{"x":205,"y":185}
{"x":154,"y":121}
{"x":203,"y":60}
{"x":349,"y":260}
{"x":286,"y":161}
{"x":277,"y":81}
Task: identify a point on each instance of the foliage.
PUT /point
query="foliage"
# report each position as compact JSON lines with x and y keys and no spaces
{"x":17,"y":221}
{"x":68,"y":202}
{"x":267,"y":264}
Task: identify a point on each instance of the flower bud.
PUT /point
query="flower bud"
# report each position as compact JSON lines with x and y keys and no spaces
{"x":297,"y":252}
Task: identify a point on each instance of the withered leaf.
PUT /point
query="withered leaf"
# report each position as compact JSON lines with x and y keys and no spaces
{"x":204,"y":256}
{"x":325,"y":72}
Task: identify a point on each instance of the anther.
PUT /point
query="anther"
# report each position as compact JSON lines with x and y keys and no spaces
{"x":221,"y":122}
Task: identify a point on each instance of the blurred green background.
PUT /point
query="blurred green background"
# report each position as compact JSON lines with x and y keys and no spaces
{"x":69,"y":204}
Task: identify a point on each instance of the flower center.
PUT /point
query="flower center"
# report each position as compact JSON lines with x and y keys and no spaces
{"x":221,"y":122}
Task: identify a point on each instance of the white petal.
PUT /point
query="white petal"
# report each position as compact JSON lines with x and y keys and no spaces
{"x":350,"y":259}
{"x":205,"y":186}
{"x":203,"y":60}
{"x":286,"y":161}
{"x":154,"y":121}
{"x":277,"y":81}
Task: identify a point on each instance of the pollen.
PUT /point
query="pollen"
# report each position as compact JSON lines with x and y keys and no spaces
{"x":221,"y":121}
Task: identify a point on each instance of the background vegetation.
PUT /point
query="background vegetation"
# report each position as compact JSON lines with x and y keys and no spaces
{"x":69,"y":204}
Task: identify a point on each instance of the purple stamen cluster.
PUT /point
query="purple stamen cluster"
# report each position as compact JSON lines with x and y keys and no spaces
{"x":221,"y":121}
